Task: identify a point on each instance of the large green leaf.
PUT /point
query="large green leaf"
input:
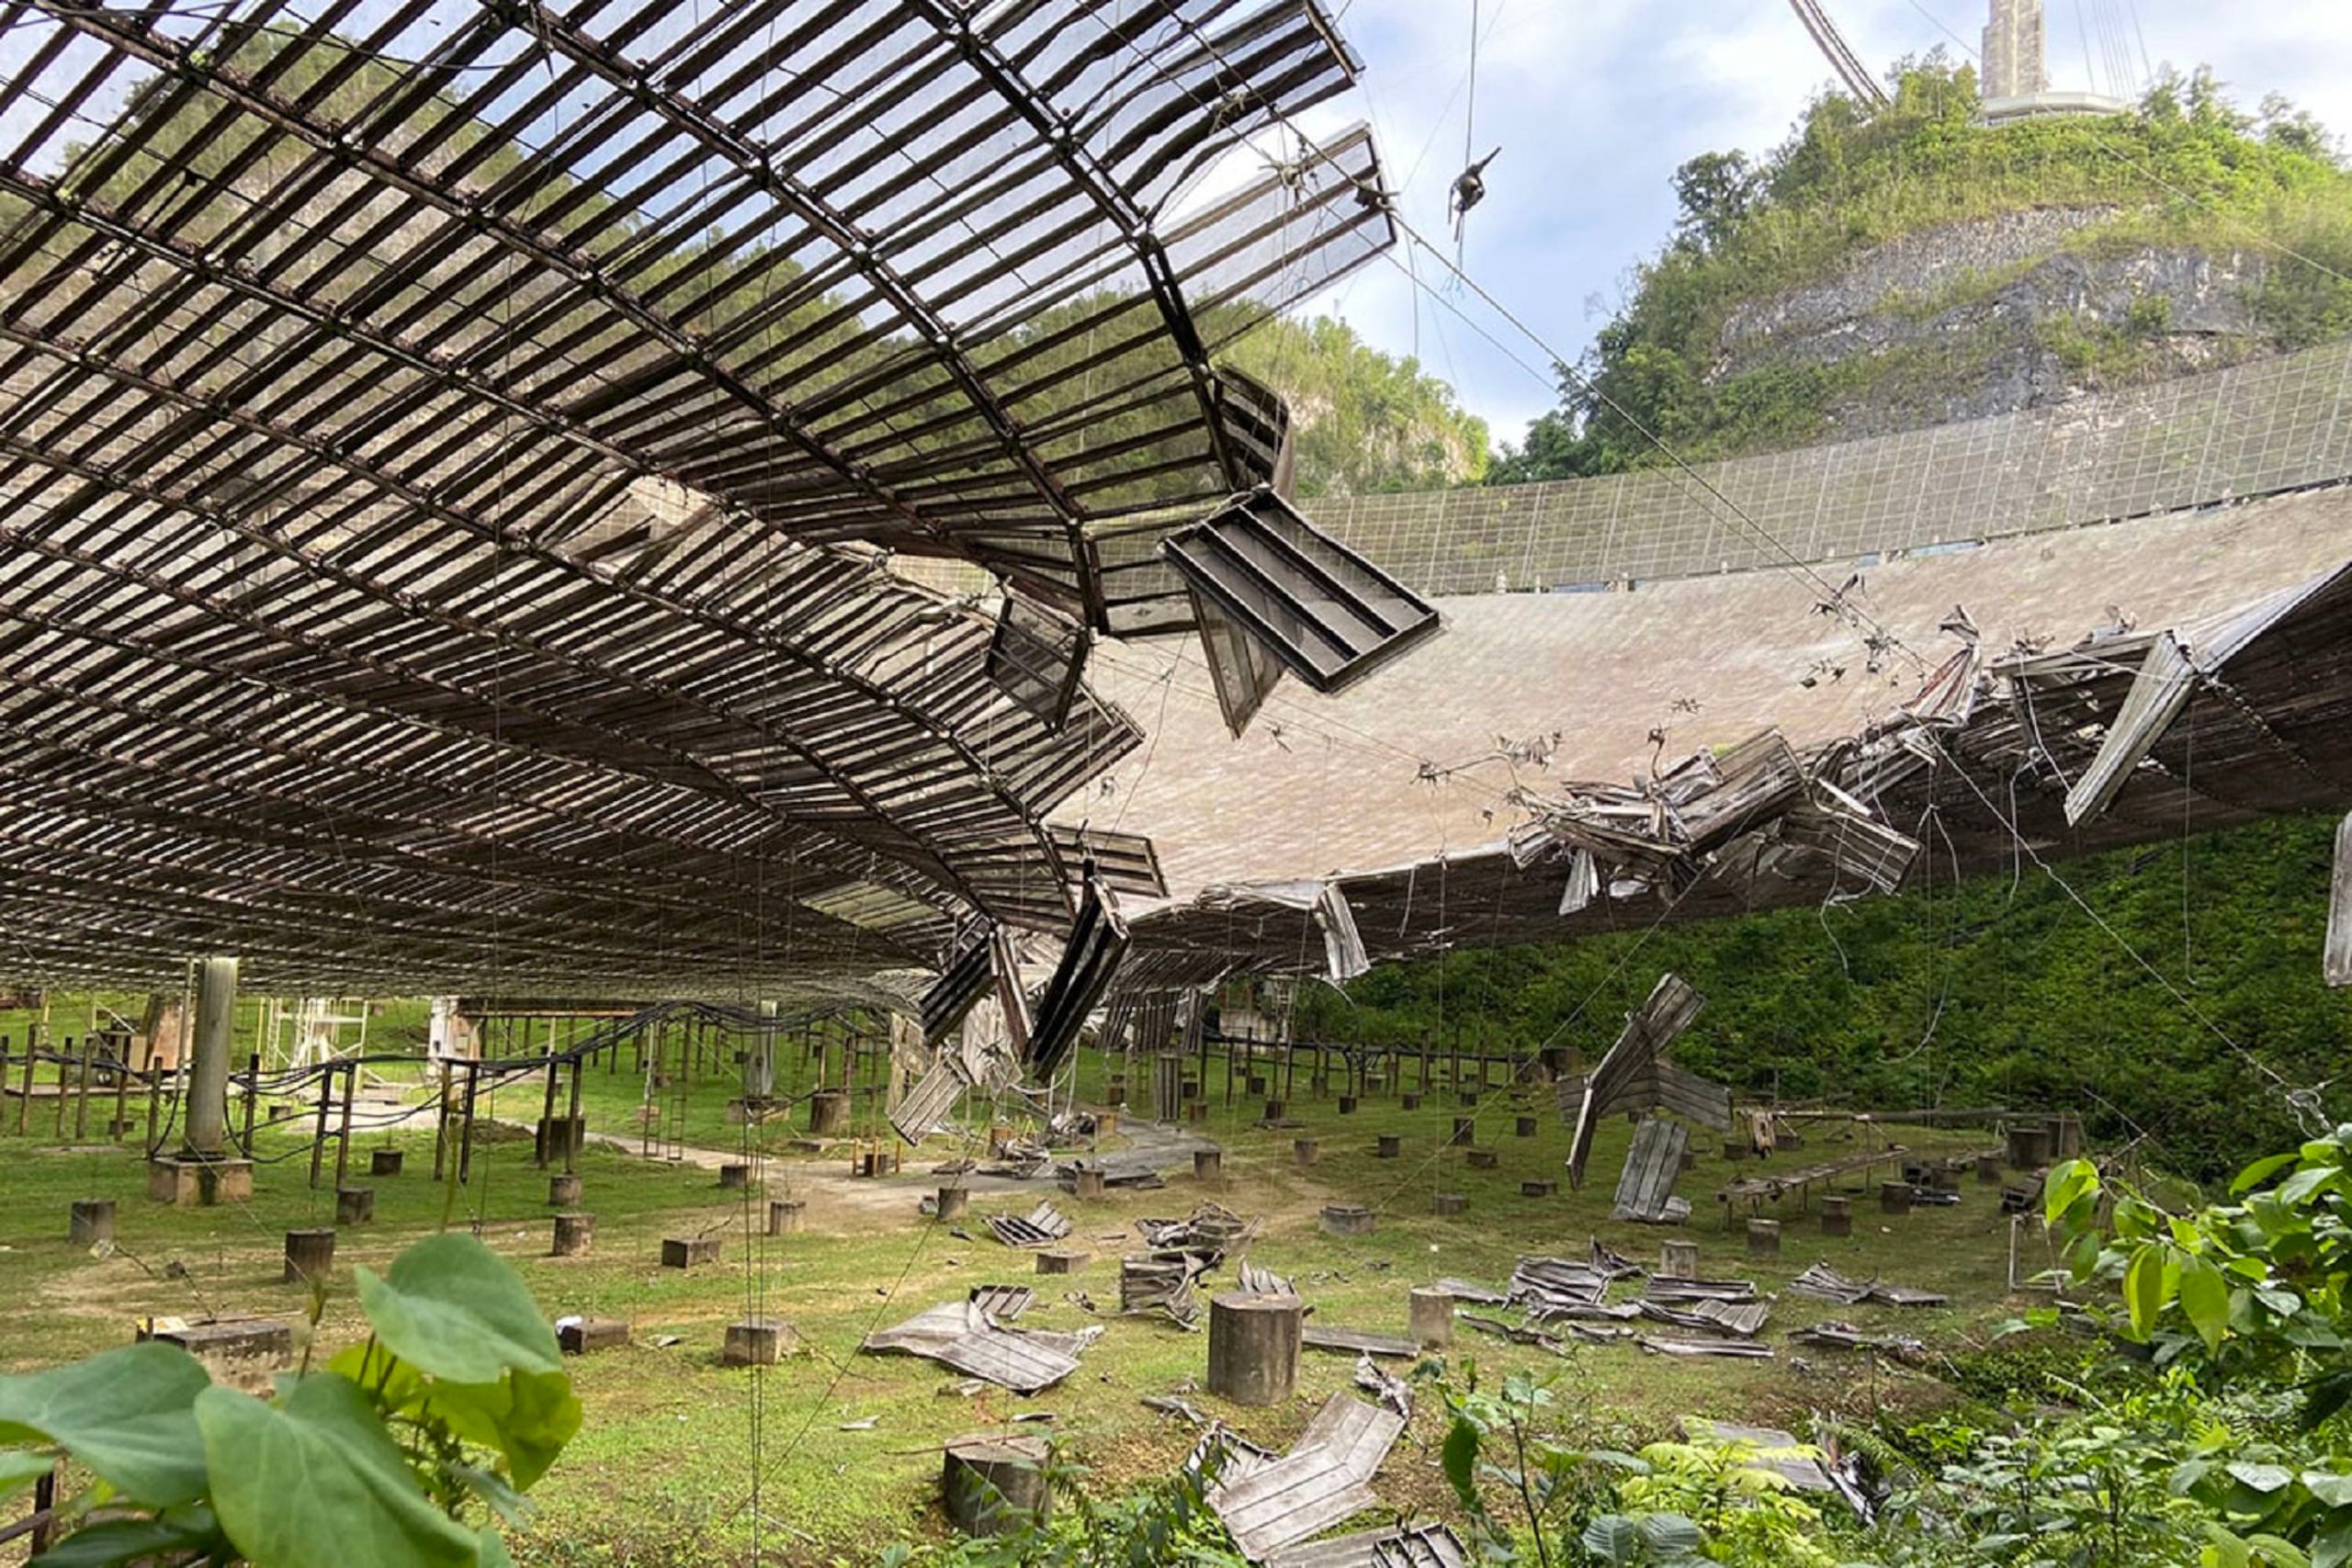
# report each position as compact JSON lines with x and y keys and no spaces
{"x":316,"y":1478}
{"x":2143,"y":1289}
{"x":453,"y":1308}
{"x":168,"y":1537}
{"x":19,"y":1468}
{"x":2205,"y":1298}
{"x":125,"y":1414}
{"x":1460,"y":1458}
{"x":528,"y":1416}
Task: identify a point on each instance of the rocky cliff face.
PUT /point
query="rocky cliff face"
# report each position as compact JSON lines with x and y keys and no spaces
{"x":1987,"y":317}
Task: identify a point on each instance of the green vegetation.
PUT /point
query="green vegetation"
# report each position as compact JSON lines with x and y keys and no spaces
{"x":406,"y":1451}
{"x":1996,"y":991}
{"x":1364,"y":423}
{"x":2187,"y":170}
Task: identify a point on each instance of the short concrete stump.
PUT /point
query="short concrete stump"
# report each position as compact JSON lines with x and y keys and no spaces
{"x":1391,"y":1145}
{"x":384,"y":1162}
{"x":1736,"y":1148}
{"x":950,"y":1201}
{"x":1087,"y":1184}
{"x":1060,"y":1260}
{"x":586,"y":1336}
{"x":1346,"y":1105}
{"x":993,"y":1486}
{"x":309,"y":1255}
{"x":735,"y":1178}
{"x":91,"y":1222}
{"x":1538,"y":1189}
{"x":1988,"y":1169}
{"x":1208,"y":1165}
{"x":1189,"y":1089}
{"x":232,"y":1342}
{"x":1306,"y":1151}
{"x":1466,"y":1097}
{"x":755,"y":1342}
{"x":1465,"y":1130}
{"x":1677,"y":1261}
{"x":828,"y":1113}
{"x":689,"y":1251}
{"x":1196,"y":1111}
{"x":1431,"y":1312}
{"x":1448,"y":1203}
{"x":1253,"y":1347}
{"x":1894,"y":1197}
{"x":1277,"y":1109}
{"x":558,"y":1136}
{"x":355,"y":1205}
{"x":1524,"y":1127}
{"x":784,"y":1215}
{"x":1409,"y":1102}
{"x":574,"y":1235}
{"x":1106,"y":1124}
{"x":191,"y":1181}
{"x":1346,"y":1219}
{"x":1764,"y":1238}
{"x":563,"y":1192}
{"x":1482,"y":1159}
{"x":1256,"y":1086}
{"x":1837,"y":1216}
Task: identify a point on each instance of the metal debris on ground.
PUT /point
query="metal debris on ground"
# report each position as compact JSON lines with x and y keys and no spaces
{"x":1826,"y":1283}
{"x":1646,"y":1187}
{"x":1249,"y":1279}
{"x":1420,"y":1546}
{"x":1737,"y":1348}
{"x":1616,"y":1265}
{"x":1323,"y":1479}
{"x":1363,"y":1342}
{"x":1384,"y":1386}
{"x":1846,"y":1336}
{"x":1209,"y":1232}
{"x":1677,"y":1290}
{"x":1742,"y":1318}
{"x":1003,"y":1303}
{"x":1555,"y":1285}
{"x":960,"y":1335}
{"x":1161,"y":1281}
{"x":1174,"y":1405}
{"x":1512,"y":1332}
{"x":1466,"y":1290}
{"x":1806,"y":1468}
{"x":1040,"y":1227}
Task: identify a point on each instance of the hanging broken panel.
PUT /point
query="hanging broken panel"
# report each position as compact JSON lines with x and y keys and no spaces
{"x":1243,"y":669}
{"x":1097,"y":942}
{"x":1327,"y":614}
{"x":1128,"y":863}
{"x":1035,"y":659}
{"x":956,"y":992}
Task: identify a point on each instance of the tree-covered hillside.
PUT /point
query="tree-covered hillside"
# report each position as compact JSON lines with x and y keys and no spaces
{"x":1996,"y":991}
{"x":2187,"y":199}
{"x":1363,"y":422}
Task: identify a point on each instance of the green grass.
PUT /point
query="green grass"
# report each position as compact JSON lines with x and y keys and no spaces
{"x":663,"y":1471}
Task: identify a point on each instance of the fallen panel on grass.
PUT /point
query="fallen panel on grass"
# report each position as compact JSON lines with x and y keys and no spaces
{"x":1826,"y":1283}
{"x":1422,"y":1546}
{"x":1671,"y":1006}
{"x":1003,"y":1303}
{"x":1384,"y":1386}
{"x":1323,"y":1479}
{"x":1039,"y":1228}
{"x":960,"y":1335}
{"x":1738,"y":1350}
{"x":1361,"y":1341}
{"x":1209,"y":1232}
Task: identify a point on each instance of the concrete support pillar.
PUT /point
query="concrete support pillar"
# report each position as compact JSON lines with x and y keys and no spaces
{"x":206,"y":1116}
{"x":759,"y":1060}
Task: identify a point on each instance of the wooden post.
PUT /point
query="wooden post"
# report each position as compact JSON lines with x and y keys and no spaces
{"x":154,"y":1101}
{"x":1253,"y":1347}
{"x":253,"y":1095}
{"x":58,"y":1131}
{"x":995,"y":1485}
{"x":547,"y":1102}
{"x":1431,"y":1313}
{"x":343,"y":1133}
{"x":441,"y":1123}
{"x":579,"y":1132}
{"x":319,"y":1135}
{"x":4,"y":1067}
{"x":466,"y":1132}
{"x":25,"y":1100}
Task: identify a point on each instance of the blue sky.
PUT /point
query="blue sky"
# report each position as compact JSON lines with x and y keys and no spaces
{"x":1594,"y":102}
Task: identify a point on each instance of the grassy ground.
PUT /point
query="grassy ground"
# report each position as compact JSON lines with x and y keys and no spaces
{"x":664,"y":1471}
